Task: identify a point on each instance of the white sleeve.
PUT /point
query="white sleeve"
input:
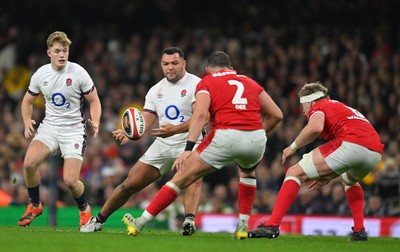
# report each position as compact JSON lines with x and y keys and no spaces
{"x":149,"y":103}
{"x":85,"y":81}
{"x":34,"y":86}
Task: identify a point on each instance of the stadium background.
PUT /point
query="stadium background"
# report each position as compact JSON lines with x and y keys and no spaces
{"x":350,"y":46}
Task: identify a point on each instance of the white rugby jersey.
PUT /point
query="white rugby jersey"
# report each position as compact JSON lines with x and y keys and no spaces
{"x":63,"y":92}
{"x":172,"y":102}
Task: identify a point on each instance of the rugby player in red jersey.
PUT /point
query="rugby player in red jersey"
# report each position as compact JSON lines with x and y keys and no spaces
{"x":353,"y":149}
{"x":238,"y":133}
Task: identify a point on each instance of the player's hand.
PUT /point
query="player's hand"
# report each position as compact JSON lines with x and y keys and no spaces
{"x":318,"y":183}
{"x":95,"y":127}
{"x":29,"y":129}
{"x":164,"y":130}
{"x":120,"y":136}
{"x":180,"y":161}
{"x":287,"y":152}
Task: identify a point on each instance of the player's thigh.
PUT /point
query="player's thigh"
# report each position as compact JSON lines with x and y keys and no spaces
{"x":221,"y":147}
{"x":311,"y":166}
{"x":71,"y":170}
{"x":72,"y":142}
{"x":161,"y":155}
{"x":195,"y":168}
{"x":337,"y":157}
{"x":141,"y":175}
{"x":249,"y":148}
{"x":42,"y":145}
{"x":359,"y":161}
{"x":36,"y":154}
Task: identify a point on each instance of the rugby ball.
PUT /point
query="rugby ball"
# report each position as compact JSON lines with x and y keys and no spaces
{"x":133,"y":123}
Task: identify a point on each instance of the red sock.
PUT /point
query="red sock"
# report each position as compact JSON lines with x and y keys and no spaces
{"x":163,"y":199}
{"x":355,"y":197}
{"x":246,"y":195}
{"x":286,"y":196}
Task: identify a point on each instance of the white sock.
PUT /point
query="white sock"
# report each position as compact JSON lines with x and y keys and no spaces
{"x":244,"y":219}
{"x":143,"y":219}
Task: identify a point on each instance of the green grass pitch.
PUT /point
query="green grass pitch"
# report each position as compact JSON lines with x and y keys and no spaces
{"x":43,"y":239}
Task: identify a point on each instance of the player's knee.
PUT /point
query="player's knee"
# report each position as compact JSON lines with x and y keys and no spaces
{"x":193,"y":178}
{"x":296,"y":172}
{"x":197,"y":183}
{"x":348,"y":180}
{"x":71,"y":183}
{"x":183,"y":181}
{"x":295,"y":179}
{"x":129,"y":188}
{"x":30,"y":165}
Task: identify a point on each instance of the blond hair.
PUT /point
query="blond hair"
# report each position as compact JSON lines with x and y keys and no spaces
{"x":310,"y":88}
{"x":59,"y":38}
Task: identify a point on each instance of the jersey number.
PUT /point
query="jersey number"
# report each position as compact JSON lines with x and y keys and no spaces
{"x":357,"y":114}
{"x":238,"y":100}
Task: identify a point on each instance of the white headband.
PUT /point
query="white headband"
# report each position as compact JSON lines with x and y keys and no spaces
{"x":311,"y":97}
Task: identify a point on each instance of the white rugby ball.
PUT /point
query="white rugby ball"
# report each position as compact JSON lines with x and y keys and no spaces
{"x":133,"y":123}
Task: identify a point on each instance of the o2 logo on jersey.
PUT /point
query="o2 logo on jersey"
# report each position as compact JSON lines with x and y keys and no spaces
{"x":238,"y":100}
{"x":59,"y":100}
{"x":172,"y":112}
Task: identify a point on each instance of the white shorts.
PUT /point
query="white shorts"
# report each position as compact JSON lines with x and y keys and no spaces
{"x":162,"y":155}
{"x":354,"y":159}
{"x":71,"y":140}
{"x":220,"y":147}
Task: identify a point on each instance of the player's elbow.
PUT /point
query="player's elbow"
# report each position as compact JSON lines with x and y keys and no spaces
{"x":207,"y":119}
{"x":315,"y":129}
{"x":278,"y":116}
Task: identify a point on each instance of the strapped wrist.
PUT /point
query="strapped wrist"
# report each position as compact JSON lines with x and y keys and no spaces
{"x":294,"y":146}
{"x":189,"y":145}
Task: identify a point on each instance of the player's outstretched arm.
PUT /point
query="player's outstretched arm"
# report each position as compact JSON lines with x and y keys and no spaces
{"x":120,"y":136}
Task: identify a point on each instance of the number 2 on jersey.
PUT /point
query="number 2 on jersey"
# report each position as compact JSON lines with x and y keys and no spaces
{"x":238,"y":100}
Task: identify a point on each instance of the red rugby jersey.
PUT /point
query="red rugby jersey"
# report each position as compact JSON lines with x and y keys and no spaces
{"x":234,"y":100}
{"x":347,"y":124}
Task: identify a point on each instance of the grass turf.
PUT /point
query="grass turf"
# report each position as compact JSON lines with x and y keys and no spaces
{"x":43,"y":239}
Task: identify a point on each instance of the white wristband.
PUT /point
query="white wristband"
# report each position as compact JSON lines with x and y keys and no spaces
{"x":294,"y":146}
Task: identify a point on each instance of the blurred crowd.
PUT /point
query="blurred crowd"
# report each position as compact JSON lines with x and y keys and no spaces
{"x":360,"y":65}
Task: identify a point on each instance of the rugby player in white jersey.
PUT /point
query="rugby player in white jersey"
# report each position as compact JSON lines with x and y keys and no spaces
{"x":170,"y":101}
{"x":63,"y":84}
